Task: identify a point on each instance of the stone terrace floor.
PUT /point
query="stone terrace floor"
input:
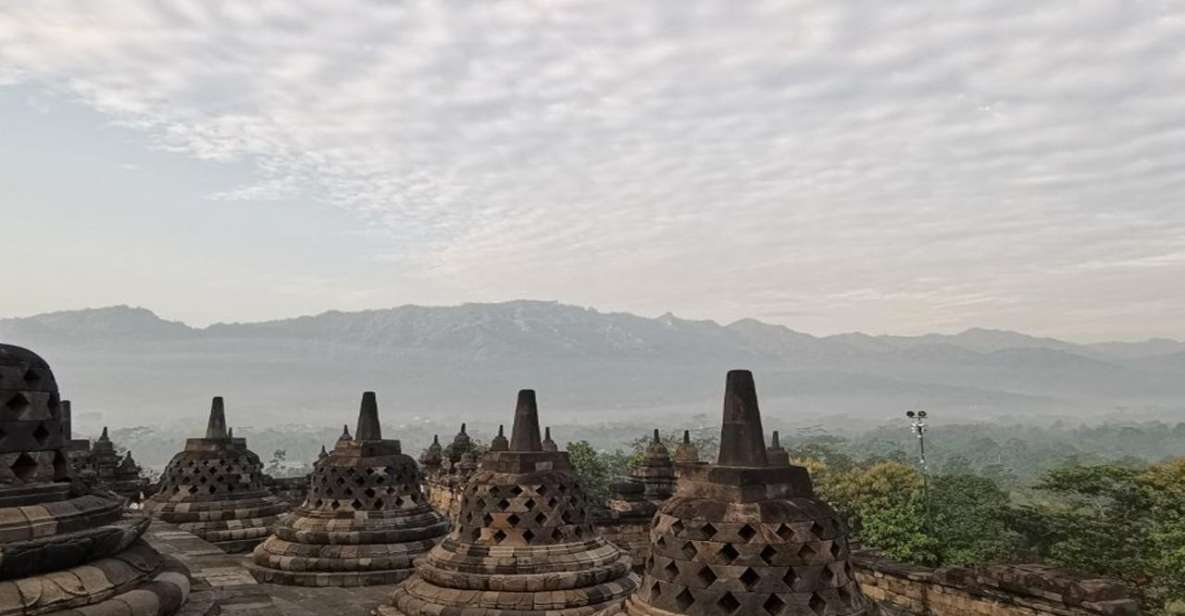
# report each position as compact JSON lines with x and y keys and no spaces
{"x":226,"y":576}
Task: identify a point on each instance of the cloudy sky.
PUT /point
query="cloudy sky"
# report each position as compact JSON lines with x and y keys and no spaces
{"x":833,"y":166}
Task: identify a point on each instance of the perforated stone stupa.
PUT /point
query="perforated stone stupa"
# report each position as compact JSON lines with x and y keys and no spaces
{"x":364,"y":521}
{"x":215,"y":489}
{"x":65,"y":549}
{"x":741,"y":537}
{"x":523,"y":544}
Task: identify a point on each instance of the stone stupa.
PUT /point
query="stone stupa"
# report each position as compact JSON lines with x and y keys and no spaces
{"x":742,"y":537}
{"x":364,"y":520}
{"x":108,"y":469}
{"x":65,"y":549}
{"x":633,"y":501}
{"x":523,"y":544}
{"x":214,"y":488}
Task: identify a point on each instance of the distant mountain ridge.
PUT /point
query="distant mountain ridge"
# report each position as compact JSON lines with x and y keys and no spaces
{"x":459,"y":357}
{"x":556,"y":323}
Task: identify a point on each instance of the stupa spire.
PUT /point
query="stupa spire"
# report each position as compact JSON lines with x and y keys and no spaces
{"x":216,"y":426}
{"x":742,"y":442}
{"x":368,"y":419}
{"x":524,"y":435}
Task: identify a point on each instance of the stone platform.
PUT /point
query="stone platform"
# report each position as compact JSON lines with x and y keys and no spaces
{"x":224,"y":577}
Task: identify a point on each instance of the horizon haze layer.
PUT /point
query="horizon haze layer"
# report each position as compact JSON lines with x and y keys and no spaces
{"x":126,"y":364}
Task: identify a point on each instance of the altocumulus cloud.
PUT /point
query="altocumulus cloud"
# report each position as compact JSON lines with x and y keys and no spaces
{"x":892,"y":166}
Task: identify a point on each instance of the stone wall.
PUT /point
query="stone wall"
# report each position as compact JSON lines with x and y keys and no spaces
{"x":631,"y":536}
{"x":444,"y":495}
{"x":997,"y":590}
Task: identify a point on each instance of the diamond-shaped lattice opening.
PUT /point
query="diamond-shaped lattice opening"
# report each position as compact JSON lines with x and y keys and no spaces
{"x":541,"y":490}
{"x":728,"y":603}
{"x":708,"y":530}
{"x":817,"y":530}
{"x":836,"y":548}
{"x":17,"y":405}
{"x":540,"y":518}
{"x":684,"y":600}
{"x":41,"y":434}
{"x":827,"y":575}
{"x":378,"y":504}
{"x":661,"y":541}
{"x":773,"y":605}
{"x":729,"y":553}
{"x":31,"y":376}
{"x":513,"y":519}
{"x":672,"y":571}
{"x":24,"y":467}
{"x":503,"y":504}
{"x":369,"y":492}
{"x":677,"y":527}
{"x":357,"y":504}
{"x":768,"y":554}
{"x":551,"y":502}
{"x":807,"y":552}
{"x":688,"y":550}
{"x":528,"y":535}
{"x":790,"y":578}
{"x":556,"y":534}
{"x":746,"y":532}
{"x":499,"y":536}
{"x":750,"y":578}
{"x":706,"y":575}
{"x":817,"y":604}
{"x":516,"y":490}
{"x":530,"y":504}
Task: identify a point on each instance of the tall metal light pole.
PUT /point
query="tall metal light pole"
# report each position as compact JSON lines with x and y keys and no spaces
{"x":919,"y":428}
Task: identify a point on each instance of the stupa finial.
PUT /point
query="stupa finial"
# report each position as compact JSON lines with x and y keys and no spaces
{"x":524,"y":435}
{"x":216,"y":426}
{"x":368,"y":419}
{"x":742,"y":442}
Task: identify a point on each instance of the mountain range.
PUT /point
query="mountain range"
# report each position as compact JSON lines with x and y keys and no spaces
{"x":128,"y":366}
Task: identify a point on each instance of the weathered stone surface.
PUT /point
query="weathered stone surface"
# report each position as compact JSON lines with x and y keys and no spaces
{"x":65,"y":549}
{"x":99,"y":464}
{"x":1000,"y":590}
{"x":741,"y":537}
{"x":363,"y":521}
{"x":523,"y":543}
{"x":625,"y":520}
{"x":215,"y":489}
{"x":446,"y":471}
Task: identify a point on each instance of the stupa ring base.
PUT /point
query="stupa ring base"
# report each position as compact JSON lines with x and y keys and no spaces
{"x":136,"y":582}
{"x":345,"y":579}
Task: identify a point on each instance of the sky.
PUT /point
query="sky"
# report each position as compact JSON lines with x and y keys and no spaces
{"x":828,"y":165}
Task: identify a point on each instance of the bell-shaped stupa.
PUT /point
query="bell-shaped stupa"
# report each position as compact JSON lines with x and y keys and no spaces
{"x":523,"y":544}
{"x":743,"y":537}
{"x":215,"y":489}
{"x":63,"y":548}
{"x":364,"y":521}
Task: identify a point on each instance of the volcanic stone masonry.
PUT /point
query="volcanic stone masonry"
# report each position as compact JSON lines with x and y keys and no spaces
{"x":101,"y":465}
{"x":364,"y":520}
{"x":626,"y":518}
{"x":522,"y":545}
{"x":65,"y":549}
{"x":447,"y":471}
{"x":743,"y":537}
{"x":215,"y":489}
